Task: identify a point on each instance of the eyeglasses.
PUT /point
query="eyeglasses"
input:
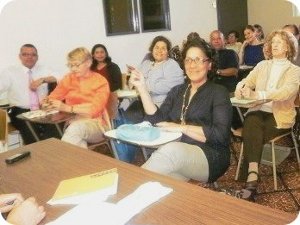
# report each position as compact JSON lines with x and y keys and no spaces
{"x":75,"y":65}
{"x":28,"y":54}
{"x":196,"y":60}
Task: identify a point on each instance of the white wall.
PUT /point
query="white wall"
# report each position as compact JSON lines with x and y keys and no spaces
{"x":58,"y":26}
{"x":271,"y":14}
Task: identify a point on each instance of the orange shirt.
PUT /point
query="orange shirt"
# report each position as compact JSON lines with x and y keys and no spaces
{"x":92,"y":89}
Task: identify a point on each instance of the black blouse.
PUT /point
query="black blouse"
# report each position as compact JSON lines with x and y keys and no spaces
{"x":209,"y":108}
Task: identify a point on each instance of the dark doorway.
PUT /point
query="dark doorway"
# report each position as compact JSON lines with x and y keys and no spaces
{"x":232,"y":15}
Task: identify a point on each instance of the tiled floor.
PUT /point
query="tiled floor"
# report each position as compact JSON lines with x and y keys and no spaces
{"x":287,"y":198}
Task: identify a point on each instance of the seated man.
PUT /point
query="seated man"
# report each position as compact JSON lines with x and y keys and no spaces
{"x":227,"y":62}
{"x":26,"y":85}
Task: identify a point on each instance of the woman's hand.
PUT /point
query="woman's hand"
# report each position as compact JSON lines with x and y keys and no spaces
{"x":137,"y":79}
{"x":9,"y":201}
{"x":248,"y":93}
{"x":170,"y":126}
{"x":28,"y":212}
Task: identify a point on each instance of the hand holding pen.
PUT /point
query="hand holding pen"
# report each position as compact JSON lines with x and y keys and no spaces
{"x":9,"y":201}
{"x":239,"y":91}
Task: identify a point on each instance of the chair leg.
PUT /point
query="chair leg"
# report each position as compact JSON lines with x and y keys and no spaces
{"x":144,"y":153}
{"x":239,"y":163}
{"x":114,"y":150}
{"x":274,"y":165}
{"x":296,"y":149}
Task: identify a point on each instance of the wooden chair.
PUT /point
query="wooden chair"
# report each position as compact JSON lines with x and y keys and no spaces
{"x":3,"y":130}
{"x":109,"y":115}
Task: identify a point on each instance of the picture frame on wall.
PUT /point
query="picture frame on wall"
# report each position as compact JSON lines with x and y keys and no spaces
{"x":121,"y":17}
{"x":155,"y":15}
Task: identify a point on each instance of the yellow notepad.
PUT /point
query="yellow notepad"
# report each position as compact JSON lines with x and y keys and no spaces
{"x":86,"y":184}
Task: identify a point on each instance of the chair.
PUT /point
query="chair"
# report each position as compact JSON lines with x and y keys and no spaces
{"x":3,"y":130}
{"x":273,"y":142}
{"x":109,"y":115}
{"x":125,"y":78}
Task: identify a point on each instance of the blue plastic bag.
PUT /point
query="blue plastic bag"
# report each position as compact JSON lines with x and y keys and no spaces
{"x":138,"y":132}
{"x":126,"y":152}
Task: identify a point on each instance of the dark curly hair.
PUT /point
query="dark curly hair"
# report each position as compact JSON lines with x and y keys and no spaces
{"x":206,"y":49}
{"x":157,"y":39}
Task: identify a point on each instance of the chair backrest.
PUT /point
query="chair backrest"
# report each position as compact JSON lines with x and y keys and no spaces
{"x":3,"y":128}
{"x":125,"y":78}
{"x":111,"y":110}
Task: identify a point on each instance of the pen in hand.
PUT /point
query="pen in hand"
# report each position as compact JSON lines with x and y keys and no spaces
{"x":241,"y":90}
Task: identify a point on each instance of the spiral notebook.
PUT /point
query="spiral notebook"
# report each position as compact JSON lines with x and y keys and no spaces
{"x":85,"y":188}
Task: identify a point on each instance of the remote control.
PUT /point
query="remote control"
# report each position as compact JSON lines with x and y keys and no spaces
{"x":17,"y":157}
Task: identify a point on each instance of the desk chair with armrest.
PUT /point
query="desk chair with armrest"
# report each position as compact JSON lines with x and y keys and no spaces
{"x":109,"y":115}
{"x":3,"y":130}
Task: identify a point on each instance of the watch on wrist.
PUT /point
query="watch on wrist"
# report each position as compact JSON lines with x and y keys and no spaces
{"x":218,"y":72}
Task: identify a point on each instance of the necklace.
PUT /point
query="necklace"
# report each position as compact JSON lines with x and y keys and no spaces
{"x":185,"y":104}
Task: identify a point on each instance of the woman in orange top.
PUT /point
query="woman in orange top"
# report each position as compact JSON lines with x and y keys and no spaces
{"x":82,"y":92}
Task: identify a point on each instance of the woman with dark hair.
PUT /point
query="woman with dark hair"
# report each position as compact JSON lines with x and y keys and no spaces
{"x":102,"y":64}
{"x":201,"y":110}
{"x":251,"y":51}
{"x":160,"y":72}
{"x":232,"y":41}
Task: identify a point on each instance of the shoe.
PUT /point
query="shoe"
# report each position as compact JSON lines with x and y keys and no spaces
{"x":250,"y":190}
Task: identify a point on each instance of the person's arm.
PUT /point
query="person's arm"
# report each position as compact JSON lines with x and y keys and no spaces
{"x":27,"y":213}
{"x":116,"y":77}
{"x":42,"y":80}
{"x":194,"y":132}
{"x":138,"y":81}
{"x":5,"y":82}
{"x":242,"y":52}
{"x":228,"y":72}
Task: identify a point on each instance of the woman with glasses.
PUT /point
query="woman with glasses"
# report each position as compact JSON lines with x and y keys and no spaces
{"x":103,"y":65}
{"x":84,"y":93}
{"x":276,"y":79}
{"x":201,"y":110}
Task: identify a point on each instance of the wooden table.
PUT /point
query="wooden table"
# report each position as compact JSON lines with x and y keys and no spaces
{"x":52,"y":161}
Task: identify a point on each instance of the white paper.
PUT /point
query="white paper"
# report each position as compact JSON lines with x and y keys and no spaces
{"x":114,"y":214}
{"x":38,"y":113}
{"x":235,"y":100}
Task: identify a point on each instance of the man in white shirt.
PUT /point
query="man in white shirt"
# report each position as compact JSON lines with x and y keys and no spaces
{"x":26,"y":85}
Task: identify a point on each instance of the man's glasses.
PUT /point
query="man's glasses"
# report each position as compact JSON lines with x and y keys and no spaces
{"x":196,"y":60}
{"x":28,"y":54}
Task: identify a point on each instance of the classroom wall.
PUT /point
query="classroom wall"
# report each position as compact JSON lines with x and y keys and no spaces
{"x":58,"y":26}
{"x":271,"y":14}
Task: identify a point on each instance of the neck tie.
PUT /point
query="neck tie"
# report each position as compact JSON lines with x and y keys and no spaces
{"x":33,"y":97}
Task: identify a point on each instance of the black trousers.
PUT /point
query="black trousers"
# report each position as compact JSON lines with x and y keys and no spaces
{"x":43,"y":131}
{"x":259,"y":128}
